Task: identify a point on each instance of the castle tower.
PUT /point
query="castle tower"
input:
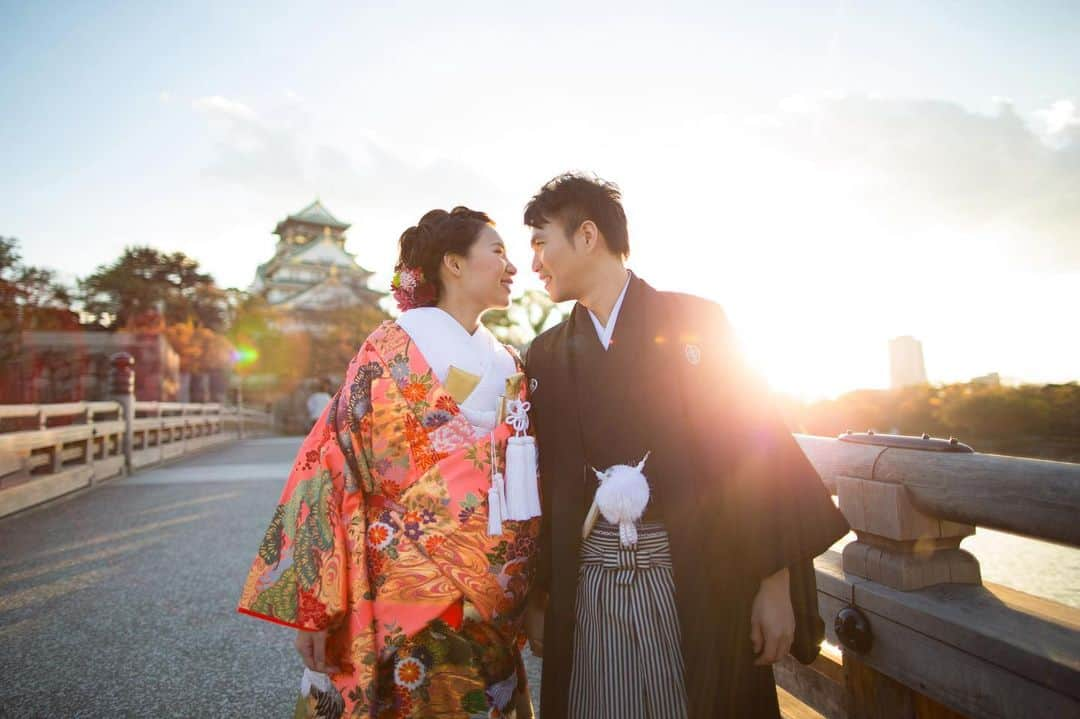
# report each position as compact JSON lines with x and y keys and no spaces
{"x":311,"y":269}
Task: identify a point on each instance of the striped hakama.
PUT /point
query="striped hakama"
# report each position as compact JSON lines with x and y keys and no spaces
{"x":627,"y":658}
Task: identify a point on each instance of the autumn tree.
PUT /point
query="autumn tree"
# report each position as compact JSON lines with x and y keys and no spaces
{"x":200,"y":348}
{"x":30,"y":298}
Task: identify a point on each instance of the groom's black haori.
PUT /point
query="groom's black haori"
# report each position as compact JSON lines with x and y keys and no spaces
{"x":738,"y":497}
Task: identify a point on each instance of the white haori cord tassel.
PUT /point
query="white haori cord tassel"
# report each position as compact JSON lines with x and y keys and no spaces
{"x":621,"y":498}
{"x":496,"y":496}
{"x":522,"y":491}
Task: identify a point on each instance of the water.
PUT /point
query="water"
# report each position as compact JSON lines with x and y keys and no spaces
{"x":1032,"y":566}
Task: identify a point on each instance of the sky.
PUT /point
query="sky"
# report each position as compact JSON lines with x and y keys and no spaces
{"x":834,"y":174}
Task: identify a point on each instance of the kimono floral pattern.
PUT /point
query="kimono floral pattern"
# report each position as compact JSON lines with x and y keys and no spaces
{"x":380,"y":536}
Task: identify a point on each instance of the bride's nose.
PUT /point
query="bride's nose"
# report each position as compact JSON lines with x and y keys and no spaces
{"x":510,"y":269}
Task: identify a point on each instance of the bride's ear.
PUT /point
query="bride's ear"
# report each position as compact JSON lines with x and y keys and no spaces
{"x":454,"y":264}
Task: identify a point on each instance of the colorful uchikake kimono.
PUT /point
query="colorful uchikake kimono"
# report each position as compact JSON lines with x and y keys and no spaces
{"x":382,"y":537}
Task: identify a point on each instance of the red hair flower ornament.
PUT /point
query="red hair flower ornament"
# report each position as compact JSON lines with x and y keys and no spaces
{"x":411,"y":289}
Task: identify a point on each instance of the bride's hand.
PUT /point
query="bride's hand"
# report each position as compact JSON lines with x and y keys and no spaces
{"x":312,"y":648}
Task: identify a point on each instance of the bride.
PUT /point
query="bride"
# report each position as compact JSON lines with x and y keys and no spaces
{"x":398,"y":551}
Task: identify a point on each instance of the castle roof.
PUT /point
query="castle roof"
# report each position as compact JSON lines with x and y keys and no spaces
{"x":314,"y":214}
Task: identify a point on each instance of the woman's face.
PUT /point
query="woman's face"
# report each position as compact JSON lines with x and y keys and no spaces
{"x":488,"y":272}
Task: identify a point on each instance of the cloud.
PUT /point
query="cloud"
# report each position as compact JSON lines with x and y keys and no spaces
{"x":1062,"y":120}
{"x":924,"y":164}
{"x":288,"y":157}
{"x":266,"y":163}
{"x":248,"y":149}
{"x":216,"y":104}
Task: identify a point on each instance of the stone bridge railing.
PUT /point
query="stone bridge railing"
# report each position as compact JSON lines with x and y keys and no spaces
{"x":49,"y":450}
{"x":919,"y":633}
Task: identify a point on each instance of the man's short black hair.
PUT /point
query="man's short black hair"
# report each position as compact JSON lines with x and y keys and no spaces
{"x":572,"y":198}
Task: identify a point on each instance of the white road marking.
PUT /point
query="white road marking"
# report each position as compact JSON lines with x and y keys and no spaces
{"x":193,"y":474}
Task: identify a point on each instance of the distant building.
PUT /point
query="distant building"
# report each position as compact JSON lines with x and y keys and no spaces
{"x":987,"y":380}
{"x":906,"y":365}
{"x":72,"y":366}
{"x":311,"y":269}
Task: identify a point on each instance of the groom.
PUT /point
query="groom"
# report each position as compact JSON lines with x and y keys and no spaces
{"x":684,"y":617}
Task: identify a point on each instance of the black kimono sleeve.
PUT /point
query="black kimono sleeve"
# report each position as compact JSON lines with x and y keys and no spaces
{"x":785,"y":513}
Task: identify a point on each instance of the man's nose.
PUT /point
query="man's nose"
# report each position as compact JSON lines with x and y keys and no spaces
{"x":536,"y":262}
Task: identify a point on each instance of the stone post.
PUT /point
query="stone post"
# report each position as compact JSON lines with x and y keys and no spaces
{"x":122,"y":390}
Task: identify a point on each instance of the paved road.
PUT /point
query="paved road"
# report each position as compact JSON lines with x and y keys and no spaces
{"x":120,"y":601}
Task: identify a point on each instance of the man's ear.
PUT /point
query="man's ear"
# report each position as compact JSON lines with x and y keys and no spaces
{"x":590,"y":236}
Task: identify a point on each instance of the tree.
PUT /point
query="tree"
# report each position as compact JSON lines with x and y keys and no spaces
{"x":145,"y":281}
{"x":1027,"y":420}
{"x":528,"y":315}
{"x":30,"y":298}
{"x":278,"y":350}
{"x":201,"y":350}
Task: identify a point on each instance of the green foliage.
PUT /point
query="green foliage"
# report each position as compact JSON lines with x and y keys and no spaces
{"x":146,"y":281}
{"x":30,"y":298}
{"x":1028,"y":420}
{"x":294,"y":346}
{"x":528,"y":315}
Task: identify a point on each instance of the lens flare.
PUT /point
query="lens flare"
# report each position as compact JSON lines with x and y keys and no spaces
{"x":244,"y":355}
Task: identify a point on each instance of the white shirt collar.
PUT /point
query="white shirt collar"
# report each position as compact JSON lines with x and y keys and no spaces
{"x":605,"y":333}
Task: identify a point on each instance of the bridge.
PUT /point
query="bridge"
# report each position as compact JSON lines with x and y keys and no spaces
{"x":130,"y":530}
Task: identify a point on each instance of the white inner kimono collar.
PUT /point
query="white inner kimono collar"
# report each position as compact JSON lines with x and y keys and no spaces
{"x":604,"y":333}
{"x":444,"y":343}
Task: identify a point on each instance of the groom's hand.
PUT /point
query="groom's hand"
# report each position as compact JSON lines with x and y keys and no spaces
{"x":772,"y":619}
{"x":312,"y":648}
{"x":534,"y":624}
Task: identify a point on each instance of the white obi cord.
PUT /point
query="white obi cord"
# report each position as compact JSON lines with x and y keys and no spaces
{"x":621,"y":498}
{"x":516,"y":495}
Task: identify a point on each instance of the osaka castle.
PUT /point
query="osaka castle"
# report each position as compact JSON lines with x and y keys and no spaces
{"x":311,"y":270}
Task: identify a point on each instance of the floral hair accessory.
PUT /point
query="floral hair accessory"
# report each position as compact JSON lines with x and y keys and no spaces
{"x":411,"y":289}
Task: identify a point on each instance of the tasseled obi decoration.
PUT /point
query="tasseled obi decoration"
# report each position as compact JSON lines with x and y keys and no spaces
{"x":480,"y":375}
{"x":515,"y":496}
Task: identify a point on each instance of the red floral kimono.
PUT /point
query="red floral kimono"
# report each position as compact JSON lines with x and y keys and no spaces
{"x":381,"y":538}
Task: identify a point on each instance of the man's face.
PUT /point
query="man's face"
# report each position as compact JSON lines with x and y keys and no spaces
{"x":557,"y":261}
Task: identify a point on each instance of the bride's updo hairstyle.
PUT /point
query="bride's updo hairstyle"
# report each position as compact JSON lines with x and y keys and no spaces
{"x":423,"y":246}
